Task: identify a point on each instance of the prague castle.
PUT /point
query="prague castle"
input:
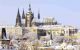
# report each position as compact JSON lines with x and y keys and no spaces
{"x":28,"y":23}
{"x":37,"y":33}
{"x":28,"y":19}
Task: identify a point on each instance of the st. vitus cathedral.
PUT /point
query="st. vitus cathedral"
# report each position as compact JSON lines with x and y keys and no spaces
{"x":27,"y":20}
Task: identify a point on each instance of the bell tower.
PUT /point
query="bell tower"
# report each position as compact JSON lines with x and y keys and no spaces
{"x":29,"y":17}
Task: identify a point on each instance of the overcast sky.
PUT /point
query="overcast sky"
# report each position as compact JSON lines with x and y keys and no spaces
{"x":66,"y":12}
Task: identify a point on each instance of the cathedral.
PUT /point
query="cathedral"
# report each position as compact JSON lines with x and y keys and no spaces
{"x":28,"y":19}
{"x":29,"y":23}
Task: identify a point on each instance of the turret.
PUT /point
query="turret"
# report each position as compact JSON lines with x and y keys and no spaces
{"x":38,"y":15}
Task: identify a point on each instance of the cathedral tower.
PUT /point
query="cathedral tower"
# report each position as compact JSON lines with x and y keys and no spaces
{"x":23,"y":19}
{"x":18,"y":19}
{"x":29,"y":17}
{"x":23,"y":15}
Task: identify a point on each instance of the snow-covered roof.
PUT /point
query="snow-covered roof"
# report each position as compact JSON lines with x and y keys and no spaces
{"x":50,"y":26}
{"x":46,"y":27}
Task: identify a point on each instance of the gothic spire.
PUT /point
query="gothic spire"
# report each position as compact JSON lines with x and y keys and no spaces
{"x":18,"y":19}
{"x":38,"y":15}
{"x":23,"y":15}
